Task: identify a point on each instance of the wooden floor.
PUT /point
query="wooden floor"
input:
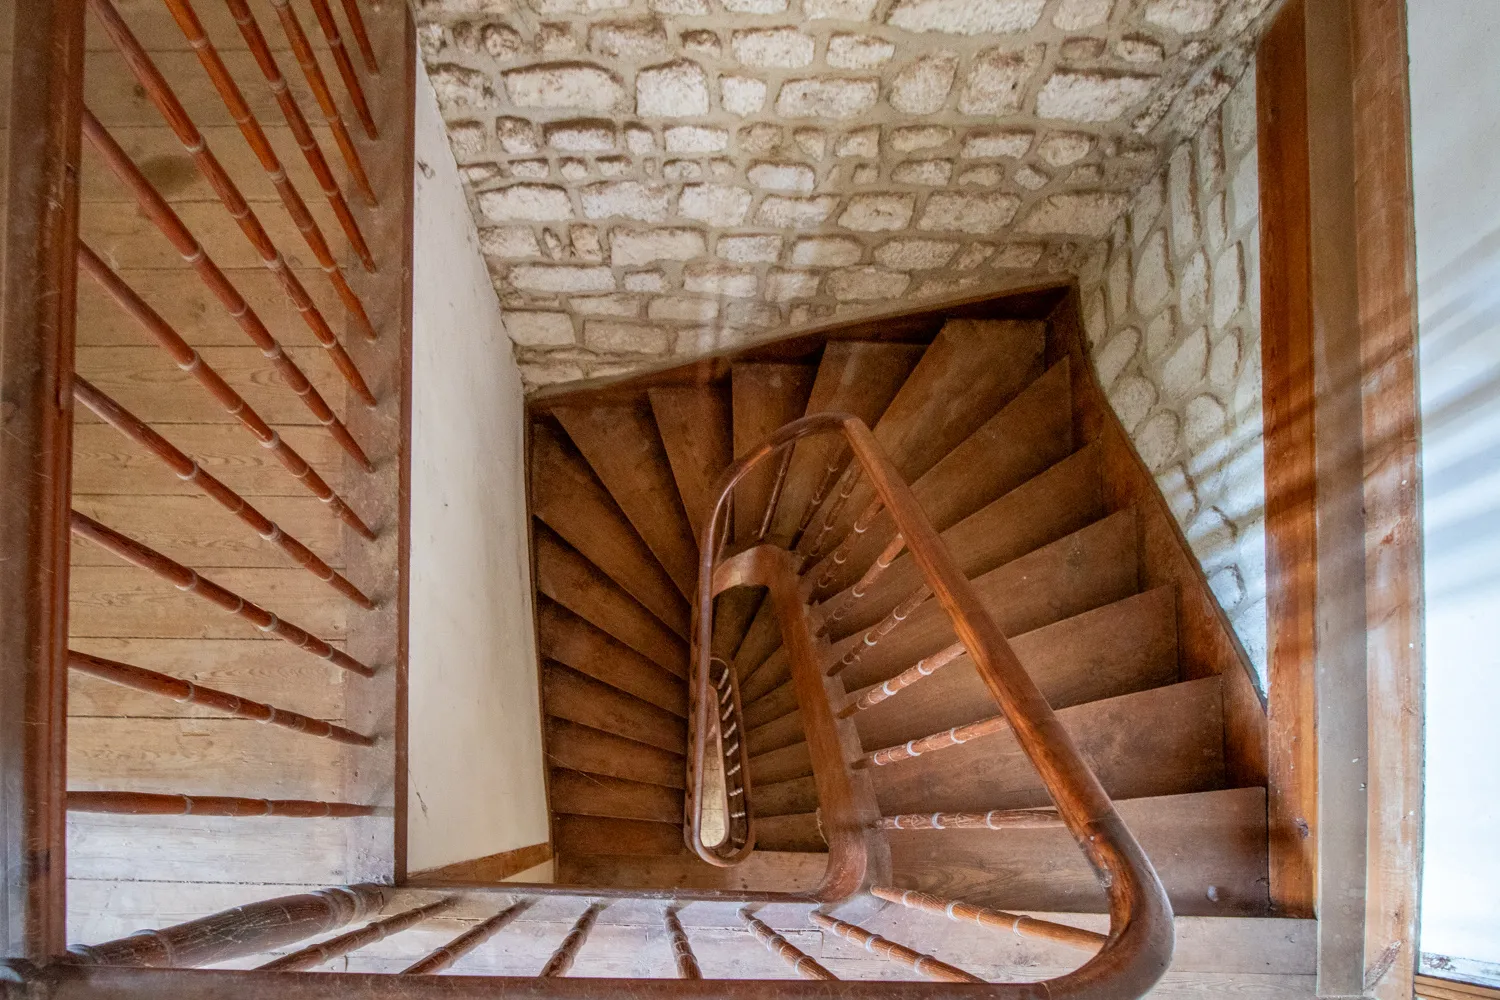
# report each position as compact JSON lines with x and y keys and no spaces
{"x":131,"y":872}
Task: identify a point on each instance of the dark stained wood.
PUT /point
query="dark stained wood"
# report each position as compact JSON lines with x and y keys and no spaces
{"x":568,"y":639}
{"x":583,"y":748}
{"x":466,"y":942}
{"x":682,"y":949}
{"x":490,"y":868}
{"x":783,"y":798}
{"x":1118,"y":649}
{"x":790,"y":832}
{"x":781,"y":731}
{"x":567,"y":694}
{"x":562,"y":959}
{"x":571,"y":580}
{"x":361,"y":35}
{"x":696,"y":427}
{"x":582,"y":794}
{"x":569,"y":499}
{"x":38,"y":297}
{"x":623,"y":447}
{"x":238,"y":933}
{"x":764,"y":398}
{"x":1196,"y":842}
{"x":777,"y":871}
{"x":156,"y":804}
{"x":330,"y":27}
{"x":1164,"y":741}
{"x":785,"y":764}
{"x":377,"y":930}
{"x":1288,"y":395}
{"x":606,"y":835}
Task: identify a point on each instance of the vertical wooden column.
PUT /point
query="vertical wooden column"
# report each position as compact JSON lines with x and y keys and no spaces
{"x":36,"y":427}
{"x":682,"y":948}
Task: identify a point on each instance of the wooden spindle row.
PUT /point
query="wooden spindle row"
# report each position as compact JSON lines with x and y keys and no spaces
{"x":562,"y":959}
{"x":1040,"y":818}
{"x":814,"y":548}
{"x":376,"y":930}
{"x":330,"y":27}
{"x":191,"y":362}
{"x":1032,"y":927}
{"x":925,"y":667}
{"x":846,"y":548}
{"x":785,"y":950}
{"x":186,"y":692}
{"x":442,"y":958}
{"x":777,"y":488}
{"x":155,"y":208}
{"x":189,"y":470}
{"x":882,"y":629}
{"x":188,"y":580}
{"x":890,"y":950}
{"x":861,"y":587}
{"x":250,"y":127}
{"x":361,"y":36}
{"x":161,"y":94}
{"x":956,"y":736}
{"x":682,"y":949}
{"x":158,"y":804}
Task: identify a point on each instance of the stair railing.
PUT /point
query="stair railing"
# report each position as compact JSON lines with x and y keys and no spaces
{"x":1138,"y":949}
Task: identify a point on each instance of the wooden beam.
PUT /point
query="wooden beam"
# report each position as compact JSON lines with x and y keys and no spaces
{"x":492,"y":868}
{"x":36,"y":413}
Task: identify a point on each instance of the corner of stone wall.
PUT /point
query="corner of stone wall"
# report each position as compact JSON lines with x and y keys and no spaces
{"x":1172,"y":307}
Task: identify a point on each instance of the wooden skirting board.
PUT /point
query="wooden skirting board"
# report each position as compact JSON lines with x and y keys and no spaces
{"x":491,"y":868}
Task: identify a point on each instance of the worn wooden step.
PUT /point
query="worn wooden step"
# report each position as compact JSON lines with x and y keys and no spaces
{"x":783,"y":798}
{"x":1209,"y":848}
{"x":607,"y":836}
{"x":583,"y":748}
{"x":765,"y":397}
{"x":572,"y":581}
{"x":623,"y":447}
{"x":794,"y":832}
{"x":697,"y":433}
{"x":775,"y":871}
{"x":780,"y":765}
{"x":573,"y":641}
{"x":567,"y":694}
{"x":581,"y":794}
{"x":1028,"y":435}
{"x":969,"y":371}
{"x":1165,"y":741}
{"x":569,"y":499}
{"x":1127,"y":646}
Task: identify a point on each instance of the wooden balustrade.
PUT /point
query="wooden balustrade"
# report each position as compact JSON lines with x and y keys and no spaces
{"x":330,"y":28}
{"x":376,"y":930}
{"x":883,"y":628}
{"x":562,"y":959}
{"x":957,"y":736}
{"x":192,"y":362}
{"x":361,"y":36}
{"x":239,"y":932}
{"x":250,"y":127}
{"x":845,"y":548}
{"x":442,"y":958}
{"x":161,"y":94}
{"x":188,"y":580}
{"x":308,"y":60}
{"x":925,"y":667}
{"x":785,"y":950}
{"x":159,"y":804}
{"x":189,"y":470}
{"x":890,"y":950}
{"x":1040,"y":818}
{"x":778,"y":486}
{"x":682,"y":949}
{"x":1032,"y":927}
{"x":302,"y":132}
{"x":151,"y":682}
{"x":882,"y":563}
{"x":813,"y":549}
{"x":155,"y":208}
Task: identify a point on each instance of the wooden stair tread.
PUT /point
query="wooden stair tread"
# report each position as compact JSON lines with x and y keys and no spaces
{"x":601,"y":835}
{"x":792,"y":832}
{"x":783,"y":798}
{"x":780,"y":871}
{"x":780,"y":765}
{"x":581,"y":794}
{"x":696,"y":432}
{"x":1165,"y":741}
{"x":623,"y":447}
{"x":1121,"y":648}
{"x":567,"y":694}
{"x":765,"y":397}
{"x":1196,"y":841}
{"x":594,"y":751}
{"x":564,"y":637}
{"x":572,"y":581}
{"x":569,"y":499}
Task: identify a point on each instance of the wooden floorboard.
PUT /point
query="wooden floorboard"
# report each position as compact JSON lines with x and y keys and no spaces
{"x":696,"y":428}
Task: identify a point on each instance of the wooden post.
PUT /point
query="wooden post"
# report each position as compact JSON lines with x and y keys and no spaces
{"x":377,"y":930}
{"x":141,"y":679}
{"x":900,"y":954}
{"x":156,"y":804}
{"x":1045,"y":930}
{"x":682,"y":949}
{"x":562,"y":959}
{"x":36,"y":451}
{"x":466,"y":942}
{"x":238,"y":932}
{"x":785,"y":950}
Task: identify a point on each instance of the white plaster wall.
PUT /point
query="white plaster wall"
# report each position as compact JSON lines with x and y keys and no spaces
{"x":475,"y":781}
{"x":1455,"y":138}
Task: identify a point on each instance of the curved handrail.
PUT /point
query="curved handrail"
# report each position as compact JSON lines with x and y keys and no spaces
{"x":1139,"y":948}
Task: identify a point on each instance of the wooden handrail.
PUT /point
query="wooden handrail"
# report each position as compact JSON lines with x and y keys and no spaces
{"x":1138,"y":949}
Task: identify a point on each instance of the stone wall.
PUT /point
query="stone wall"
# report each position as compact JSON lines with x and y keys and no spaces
{"x":1172,"y":306}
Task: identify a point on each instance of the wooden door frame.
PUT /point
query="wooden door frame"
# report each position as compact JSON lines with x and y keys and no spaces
{"x":1344,"y":546}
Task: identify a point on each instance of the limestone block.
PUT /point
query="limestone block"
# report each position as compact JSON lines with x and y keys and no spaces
{"x":1224,"y":360}
{"x":1018,"y":256}
{"x":749,"y":249}
{"x":1076,"y":15}
{"x":695,"y":139}
{"x":796,"y":177}
{"x":564,"y":85}
{"x":781,"y":212}
{"x":1132,"y":397}
{"x":645,"y":281}
{"x":1185,"y":17}
{"x":1086,"y":213}
{"x":563,"y":279}
{"x":966,"y":17}
{"x":997,"y":80}
{"x":716,"y":204}
{"x":1140,"y":49}
{"x":784,"y":285}
{"x":826,"y":97}
{"x":1157,"y":440}
{"x":1193,"y":287}
{"x":742,"y":95}
{"x":643,"y":39}
{"x":633,"y":247}
{"x":702,"y":42}
{"x":930,"y":173}
{"x":866,"y":283}
{"x":989,"y":143}
{"x":915,"y":255}
{"x":922,"y":85}
{"x":508,"y":242}
{"x":1079,"y":96}
{"x":680,"y":309}
{"x":843,"y":10}
{"x":772,"y":48}
{"x":872,"y":213}
{"x":984,"y":175}
{"x":1030,"y":178}
{"x":1229,"y":284}
{"x":526,"y":202}
{"x":626,"y":338}
{"x":968,"y":213}
{"x":1118,"y":352}
{"x":459,"y":88}
{"x":720,"y":279}
{"x":1062,"y":148}
{"x":625,"y":199}
{"x":848,"y":51}
{"x":539,"y":329}
{"x":1185,"y":367}
{"x":1153,"y":275}
{"x":673,"y":90}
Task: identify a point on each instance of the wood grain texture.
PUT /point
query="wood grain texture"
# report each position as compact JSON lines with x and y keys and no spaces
{"x":202,"y":848}
{"x":1208,"y":848}
{"x":785,"y":764}
{"x":567,"y":694}
{"x":200,"y":533}
{"x":104,"y":462}
{"x":782,"y":798}
{"x":568,"y":639}
{"x":1164,"y":741}
{"x":573,"y":835}
{"x":581,"y":794}
{"x":792,"y":832}
{"x":696,"y":427}
{"x":490,"y":868}
{"x":583,"y":748}
{"x":764,"y":397}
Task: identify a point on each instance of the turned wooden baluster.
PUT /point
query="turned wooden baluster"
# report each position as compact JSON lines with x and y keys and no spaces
{"x":161,"y":94}
{"x":845,"y":548}
{"x":466,"y":942}
{"x":189,"y":470}
{"x":862,"y":586}
{"x":925,"y":667}
{"x":188,"y":580}
{"x":250,"y":127}
{"x":308,"y":60}
{"x":158,"y":804}
{"x":345,"y":66}
{"x":956,"y":736}
{"x":238,"y":932}
{"x":155,"y":208}
{"x":1045,"y":930}
{"x":361,"y":36}
{"x":785,"y":950}
{"x":777,"y":488}
{"x":813,"y":550}
{"x":884,"y":628}
{"x":1040,"y":818}
{"x":302,"y":132}
{"x":151,"y":682}
{"x":562,"y":959}
{"x":885,"y":948}
{"x":682,"y":949}
{"x":377,"y":930}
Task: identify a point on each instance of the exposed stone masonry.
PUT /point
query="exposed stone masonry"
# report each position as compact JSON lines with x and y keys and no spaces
{"x":1172,"y":308}
{"x":662,"y":178}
